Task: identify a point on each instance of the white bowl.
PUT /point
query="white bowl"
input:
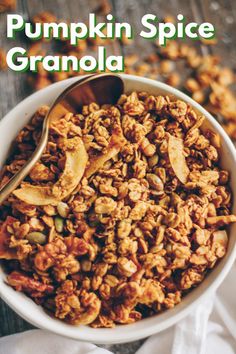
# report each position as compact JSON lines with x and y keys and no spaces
{"x":26,"y":308}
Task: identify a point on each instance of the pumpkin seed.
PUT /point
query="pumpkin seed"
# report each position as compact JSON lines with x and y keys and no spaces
{"x":153,"y":160}
{"x":36,"y":237}
{"x":59,"y":224}
{"x":155,"y":182}
{"x":63,"y":209}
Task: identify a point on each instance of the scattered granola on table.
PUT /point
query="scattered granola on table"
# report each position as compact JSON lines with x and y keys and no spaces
{"x":7,"y":5}
{"x":124,"y":214}
{"x":203,"y":77}
{"x":3,"y":63}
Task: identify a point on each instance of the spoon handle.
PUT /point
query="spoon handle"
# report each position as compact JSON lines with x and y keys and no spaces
{"x":15,"y":180}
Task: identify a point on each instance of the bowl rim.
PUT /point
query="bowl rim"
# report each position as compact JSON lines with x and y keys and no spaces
{"x":144,"y":327}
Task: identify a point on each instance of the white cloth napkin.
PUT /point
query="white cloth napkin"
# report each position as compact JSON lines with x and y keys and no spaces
{"x":211,"y":328}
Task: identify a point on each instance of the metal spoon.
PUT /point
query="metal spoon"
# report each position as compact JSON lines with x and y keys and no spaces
{"x":100,"y":88}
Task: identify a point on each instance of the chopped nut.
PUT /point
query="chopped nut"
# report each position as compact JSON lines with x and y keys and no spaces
{"x":138,"y":212}
{"x":124,"y":228}
{"x":147,"y":148}
{"x":105,"y":205}
{"x":155,"y":182}
{"x":220,"y":220}
{"x":111,"y":280}
{"x":36,"y":237}
{"x":126,"y":267}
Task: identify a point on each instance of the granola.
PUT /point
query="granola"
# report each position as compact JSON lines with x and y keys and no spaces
{"x":123,"y":215}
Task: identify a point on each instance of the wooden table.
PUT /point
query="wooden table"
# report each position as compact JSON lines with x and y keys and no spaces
{"x":13,"y":87}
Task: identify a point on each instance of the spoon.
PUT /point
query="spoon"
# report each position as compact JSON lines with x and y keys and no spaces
{"x":99,"y":88}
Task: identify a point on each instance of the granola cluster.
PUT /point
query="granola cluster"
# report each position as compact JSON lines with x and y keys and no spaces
{"x":143,"y":224}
